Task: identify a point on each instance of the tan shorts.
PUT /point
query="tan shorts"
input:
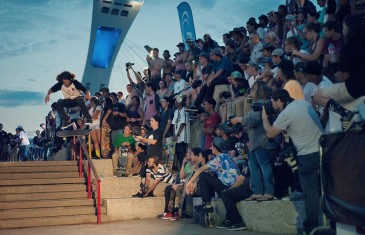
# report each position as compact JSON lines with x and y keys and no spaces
{"x":338,"y":92}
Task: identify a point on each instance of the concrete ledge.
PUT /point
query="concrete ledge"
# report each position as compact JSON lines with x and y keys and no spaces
{"x":134,"y":208}
{"x":277,"y":216}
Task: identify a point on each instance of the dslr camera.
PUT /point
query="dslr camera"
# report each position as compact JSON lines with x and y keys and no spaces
{"x":257,"y":107}
{"x":128,"y":65}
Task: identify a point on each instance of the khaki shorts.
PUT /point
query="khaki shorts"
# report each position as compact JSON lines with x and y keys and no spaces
{"x":338,"y":92}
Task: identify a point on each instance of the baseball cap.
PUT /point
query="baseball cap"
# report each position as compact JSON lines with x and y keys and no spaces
{"x":290,"y":17}
{"x":205,"y":55}
{"x":313,"y":68}
{"x":268,"y":47}
{"x":236,"y":74}
{"x":216,"y":51}
{"x":220,"y":144}
{"x":278,"y":51}
{"x":253,"y":64}
{"x":281,"y":94}
{"x":299,"y":67}
{"x":180,"y":44}
{"x":222,"y":127}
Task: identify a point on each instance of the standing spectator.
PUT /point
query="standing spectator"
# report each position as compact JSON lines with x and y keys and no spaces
{"x":299,"y":119}
{"x":154,"y":139}
{"x":71,"y":90}
{"x":38,"y":143}
{"x":120,"y":97}
{"x":3,"y":143}
{"x":179,"y":62}
{"x":135,"y":113}
{"x":229,"y":185}
{"x":211,"y":122}
{"x":193,"y":51}
{"x":167,"y":116}
{"x":129,"y":90}
{"x":155,"y":65}
{"x":181,"y":128}
{"x":95,"y":133}
{"x":209,"y":44}
{"x":167,"y":66}
{"x":163,"y":89}
{"x":24,"y":144}
{"x":119,"y":116}
{"x":152,"y":104}
{"x":170,"y":83}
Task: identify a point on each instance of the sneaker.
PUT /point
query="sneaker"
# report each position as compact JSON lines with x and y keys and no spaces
{"x":175,"y":217}
{"x":208,"y":208}
{"x":66,"y":123}
{"x":139,"y":194}
{"x":161,"y":215}
{"x":225,"y":224}
{"x":88,"y":121}
{"x":168,"y":216}
{"x":237,"y":227}
{"x":348,"y":121}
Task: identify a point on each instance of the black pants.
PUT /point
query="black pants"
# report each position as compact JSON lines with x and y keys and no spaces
{"x":308,"y":167}
{"x":180,"y":150}
{"x":208,"y":185}
{"x":230,"y":197}
{"x":167,"y":195}
{"x":207,"y":92}
{"x":70,"y":103}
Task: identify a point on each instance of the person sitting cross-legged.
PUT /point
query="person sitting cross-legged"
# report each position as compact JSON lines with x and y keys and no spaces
{"x":229,"y":184}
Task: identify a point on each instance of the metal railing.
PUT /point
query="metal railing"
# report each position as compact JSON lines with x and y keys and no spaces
{"x":90,"y":167}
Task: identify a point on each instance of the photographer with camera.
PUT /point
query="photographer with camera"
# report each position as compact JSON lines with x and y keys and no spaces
{"x":299,"y":119}
{"x":260,"y":147}
{"x":140,"y":85}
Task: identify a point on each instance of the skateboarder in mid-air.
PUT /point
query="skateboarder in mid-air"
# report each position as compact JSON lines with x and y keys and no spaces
{"x":72,"y":90}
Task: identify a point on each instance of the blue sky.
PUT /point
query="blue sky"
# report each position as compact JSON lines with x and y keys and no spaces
{"x":41,"y":38}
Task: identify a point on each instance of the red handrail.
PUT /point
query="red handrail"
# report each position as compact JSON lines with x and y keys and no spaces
{"x":92,"y":168}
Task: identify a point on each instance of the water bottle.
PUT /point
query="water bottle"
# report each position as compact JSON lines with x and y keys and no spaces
{"x":332,"y":52}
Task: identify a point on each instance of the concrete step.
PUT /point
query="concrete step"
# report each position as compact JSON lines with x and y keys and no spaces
{"x":41,"y":181}
{"x":49,"y":212}
{"x":38,"y":169}
{"x":39,"y":163}
{"x":43,"y":188}
{"x":129,"y":208}
{"x":51,"y":221}
{"x":42,"y":196}
{"x":46,"y":203}
{"x":41,"y":175}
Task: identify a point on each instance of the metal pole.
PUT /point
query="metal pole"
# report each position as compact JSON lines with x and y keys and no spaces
{"x":98,"y":202}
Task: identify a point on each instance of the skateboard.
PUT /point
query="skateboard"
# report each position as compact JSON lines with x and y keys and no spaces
{"x":105,"y":141}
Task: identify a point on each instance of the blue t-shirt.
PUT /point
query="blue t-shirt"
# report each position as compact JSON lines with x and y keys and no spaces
{"x":224,"y":167}
{"x":224,"y":64}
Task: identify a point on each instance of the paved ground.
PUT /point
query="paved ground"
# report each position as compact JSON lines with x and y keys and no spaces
{"x":133,"y":227}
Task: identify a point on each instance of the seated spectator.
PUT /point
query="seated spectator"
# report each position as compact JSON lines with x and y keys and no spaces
{"x":163,"y":89}
{"x":253,"y":72}
{"x":333,"y":44}
{"x":139,"y":160}
{"x":266,"y":53}
{"x":272,"y":39}
{"x":229,"y":184}
{"x":173,"y":192}
{"x":286,"y":75}
{"x":292,"y":43}
{"x":209,"y":44}
{"x":124,"y":140}
{"x":350,"y":71}
{"x":311,"y":32}
{"x":256,"y":52}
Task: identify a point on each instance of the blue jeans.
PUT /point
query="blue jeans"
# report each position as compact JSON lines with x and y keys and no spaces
{"x":260,"y":164}
{"x":308,"y":167}
{"x":23,"y":152}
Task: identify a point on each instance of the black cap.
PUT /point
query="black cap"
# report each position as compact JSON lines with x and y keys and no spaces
{"x":180,"y":44}
{"x":281,"y":94}
{"x":313,"y":67}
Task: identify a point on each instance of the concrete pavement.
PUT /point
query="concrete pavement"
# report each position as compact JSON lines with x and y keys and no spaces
{"x":128,"y":227}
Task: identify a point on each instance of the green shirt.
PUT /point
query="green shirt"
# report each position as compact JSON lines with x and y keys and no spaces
{"x":120,"y":139}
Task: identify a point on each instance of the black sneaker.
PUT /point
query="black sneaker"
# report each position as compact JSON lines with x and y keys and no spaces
{"x":225,"y":224}
{"x":66,"y":123}
{"x":139,"y":194}
{"x":208,"y":208}
{"x":237,"y":227}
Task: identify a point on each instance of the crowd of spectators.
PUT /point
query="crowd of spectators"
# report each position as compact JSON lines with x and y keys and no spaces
{"x":281,"y":74}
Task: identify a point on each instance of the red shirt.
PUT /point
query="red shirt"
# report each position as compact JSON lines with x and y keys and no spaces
{"x":211,"y":122}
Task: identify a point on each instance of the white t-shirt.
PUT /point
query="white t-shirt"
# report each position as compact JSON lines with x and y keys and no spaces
{"x":96,"y":122}
{"x":179,"y":86}
{"x":180,"y":117}
{"x":70,"y":92}
{"x":24,"y":137}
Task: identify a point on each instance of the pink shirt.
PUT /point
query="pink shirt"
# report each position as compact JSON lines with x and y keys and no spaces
{"x":211,"y":122}
{"x":150,"y":107}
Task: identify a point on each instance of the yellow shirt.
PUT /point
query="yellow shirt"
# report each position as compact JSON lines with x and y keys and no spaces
{"x":295,"y":89}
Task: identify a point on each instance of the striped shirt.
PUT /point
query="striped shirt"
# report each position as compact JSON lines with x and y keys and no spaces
{"x":162,"y":174}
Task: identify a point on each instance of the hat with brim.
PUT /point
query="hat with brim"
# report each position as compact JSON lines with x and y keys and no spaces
{"x":221,"y":144}
{"x":180,"y":44}
{"x":253,"y":64}
{"x":278,"y":51}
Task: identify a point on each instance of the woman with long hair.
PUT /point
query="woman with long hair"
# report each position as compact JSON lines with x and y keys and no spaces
{"x":95,"y":134}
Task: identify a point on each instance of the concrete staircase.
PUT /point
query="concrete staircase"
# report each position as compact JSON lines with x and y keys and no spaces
{"x":41,"y":193}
